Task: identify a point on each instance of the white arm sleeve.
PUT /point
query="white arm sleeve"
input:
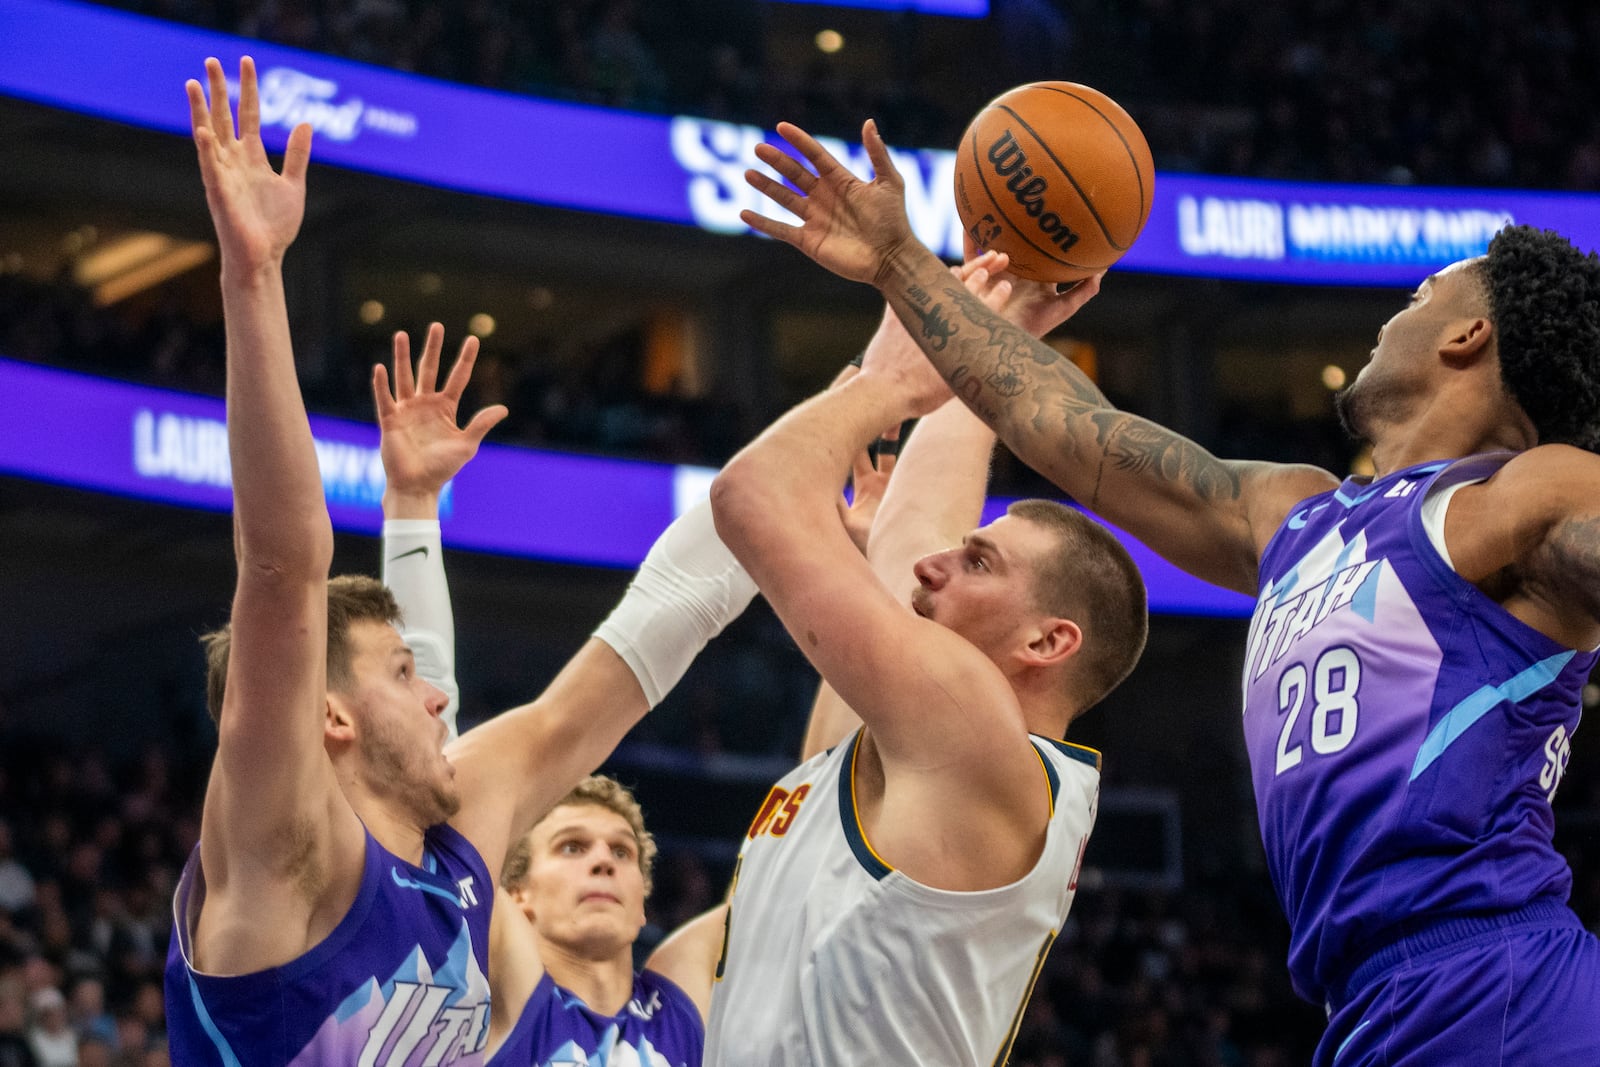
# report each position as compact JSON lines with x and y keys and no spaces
{"x":413,"y":569}
{"x":688,"y":589}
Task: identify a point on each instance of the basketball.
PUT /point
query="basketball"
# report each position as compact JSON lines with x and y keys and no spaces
{"x":1057,"y":176}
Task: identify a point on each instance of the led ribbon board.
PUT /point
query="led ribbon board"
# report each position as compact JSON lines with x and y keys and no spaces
{"x":970,"y":9}
{"x":690,"y":171}
{"x":172,"y":448}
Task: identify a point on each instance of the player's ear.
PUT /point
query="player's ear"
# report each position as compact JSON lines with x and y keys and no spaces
{"x":338,"y":721}
{"x":1466,"y":341}
{"x":1055,"y":640}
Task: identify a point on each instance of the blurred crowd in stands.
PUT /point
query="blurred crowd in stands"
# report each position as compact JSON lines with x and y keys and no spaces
{"x":594,"y":402}
{"x":1426,"y":91}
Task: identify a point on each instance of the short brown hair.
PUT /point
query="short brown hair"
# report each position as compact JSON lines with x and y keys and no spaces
{"x":351,"y":598}
{"x":1093,"y":581}
{"x":597,"y":791}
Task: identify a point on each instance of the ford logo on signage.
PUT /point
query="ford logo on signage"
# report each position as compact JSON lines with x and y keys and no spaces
{"x":290,"y":97}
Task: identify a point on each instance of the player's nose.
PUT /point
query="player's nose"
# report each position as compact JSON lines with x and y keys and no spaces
{"x":929,"y":570}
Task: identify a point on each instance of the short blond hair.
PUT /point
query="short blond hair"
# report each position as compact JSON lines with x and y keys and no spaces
{"x":597,"y":791}
{"x":1092,"y":580}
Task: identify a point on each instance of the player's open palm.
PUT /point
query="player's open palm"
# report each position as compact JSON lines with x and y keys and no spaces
{"x":256,"y":210}
{"x":421,"y":444}
{"x":848,"y":225}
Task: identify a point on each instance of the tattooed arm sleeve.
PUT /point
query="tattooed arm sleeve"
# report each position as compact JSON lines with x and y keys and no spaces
{"x":1161,"y":487}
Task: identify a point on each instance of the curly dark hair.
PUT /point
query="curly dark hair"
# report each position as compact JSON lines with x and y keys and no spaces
{"x":1544,"y":298}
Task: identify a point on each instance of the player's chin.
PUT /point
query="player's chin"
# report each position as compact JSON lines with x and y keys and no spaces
{"x":448,"y":801}
{"x":445,"y":795}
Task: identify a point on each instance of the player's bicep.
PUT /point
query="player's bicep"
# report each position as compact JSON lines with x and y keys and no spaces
{"x":1209,"y":516}
{"x":1574,"y":546}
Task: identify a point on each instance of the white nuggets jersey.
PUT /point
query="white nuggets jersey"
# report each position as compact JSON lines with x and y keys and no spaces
{"x":834,"y":958}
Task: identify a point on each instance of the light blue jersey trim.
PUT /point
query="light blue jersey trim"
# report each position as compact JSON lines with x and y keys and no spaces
{"x":200,"y":1013}
{"x":1345,"y":1043}
{"x":1352,"y":501}
{"x":1460,"y":718}
{"x":405,"y":882}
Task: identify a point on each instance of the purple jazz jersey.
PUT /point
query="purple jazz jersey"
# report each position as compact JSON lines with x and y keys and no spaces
{"x":398,"y":983}
{"x":1406,"y":734}
{"x":659,"y":1027}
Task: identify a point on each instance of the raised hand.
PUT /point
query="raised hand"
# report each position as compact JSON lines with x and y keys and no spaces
{"x":256,"y":210}
{"x":421,"y":444}
{"x":869,"y":478}
{"x":850,"y":226}
{"x":1038,"y":308}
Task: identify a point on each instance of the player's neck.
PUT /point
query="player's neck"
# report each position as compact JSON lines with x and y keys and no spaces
{"x":1442,"y":434}
{"x":1044,"y":710}
{"x":605,"y":985}
{"x":393,"y":828}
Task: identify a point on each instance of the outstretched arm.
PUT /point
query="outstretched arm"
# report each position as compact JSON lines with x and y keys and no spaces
{"x":277,"y":841}
{"x":939,"y":491}
{"x":515,"y":967}
{"x":1209,"y":516}
{"x":422,"y":449}
{"x":514,"y":767}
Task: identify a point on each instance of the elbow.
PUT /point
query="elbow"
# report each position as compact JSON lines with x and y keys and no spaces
{"x":291,"y":552}
{"x":736,"y":503}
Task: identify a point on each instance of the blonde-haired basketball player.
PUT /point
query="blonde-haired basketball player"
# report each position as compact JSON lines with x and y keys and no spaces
{"x":896,"y":895}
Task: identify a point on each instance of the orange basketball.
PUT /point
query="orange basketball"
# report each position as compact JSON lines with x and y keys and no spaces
{"x":1058,"y":177}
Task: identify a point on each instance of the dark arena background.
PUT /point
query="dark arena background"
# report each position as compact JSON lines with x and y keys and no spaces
{"x":562,"y":179}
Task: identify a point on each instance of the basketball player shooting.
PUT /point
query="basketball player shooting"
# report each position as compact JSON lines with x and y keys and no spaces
{"x":1421,"y":637}
{"x":896,"y":896}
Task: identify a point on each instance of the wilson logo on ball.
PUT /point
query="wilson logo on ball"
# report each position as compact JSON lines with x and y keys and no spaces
{"x":1011,"y":163}
{"x":1055,"y":175}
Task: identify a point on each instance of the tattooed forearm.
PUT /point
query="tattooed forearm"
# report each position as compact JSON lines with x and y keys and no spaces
{"x":1046,"y":409}
{"x":969,"y":388}
{"x":1011,"y":350}
{"x":937,"y":328}
{"x":1138,"y":446}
